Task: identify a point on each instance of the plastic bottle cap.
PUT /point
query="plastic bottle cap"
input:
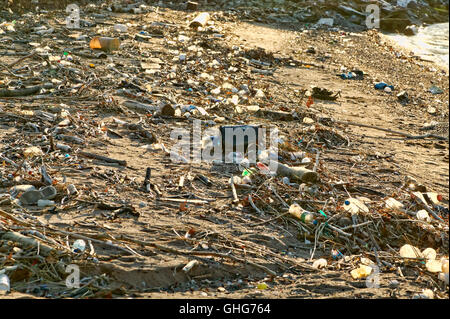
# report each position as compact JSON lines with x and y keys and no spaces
{"x":439,"y":198}
{"x":347,"y":202}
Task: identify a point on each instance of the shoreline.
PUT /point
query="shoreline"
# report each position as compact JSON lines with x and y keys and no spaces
{"x":403,"y":43}
{"x":439,"y":63}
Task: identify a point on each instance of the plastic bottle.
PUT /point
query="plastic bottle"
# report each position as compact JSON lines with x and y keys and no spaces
{"x":45,"y":202}
{"x":79,"y":245}
{"x":303,"y":215}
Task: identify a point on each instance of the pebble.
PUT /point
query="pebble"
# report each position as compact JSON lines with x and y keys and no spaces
{"x":431,"y":110}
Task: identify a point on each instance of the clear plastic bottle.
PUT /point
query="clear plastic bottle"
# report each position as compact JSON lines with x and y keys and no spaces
{"x":79,"y":245}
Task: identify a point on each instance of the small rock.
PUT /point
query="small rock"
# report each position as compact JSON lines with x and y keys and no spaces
{"x":311,"y":50}
{"x":33,"y":151}
{"x":167,"y":109}
{"x":308,"y":120}
{"x":326,"y":21}
{"x":436,"y":90}
{"x":142,"y":204}
{"x":394,"y":204}
{"x":252,"y":108}
{"x":426,"y":294}
{"x":403,"y":97}
{"x":259,"y":94}
{"x":394,"y":283}
{"x":431,"y":110}
{"x":306,"y":160}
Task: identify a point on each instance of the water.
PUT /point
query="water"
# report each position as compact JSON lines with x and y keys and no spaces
{"x":430,"y":43}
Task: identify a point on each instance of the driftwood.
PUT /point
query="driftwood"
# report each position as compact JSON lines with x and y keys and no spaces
{"x":20,"y":92}
{"x":297,"y":173}
{"x":276,"y":115}
{"x":44,"y":250}
{"x":140,"y":106}
{"x":181,"y":200}
{"x":198,"y":253}
{"x":22,"y":58}
{"x":102,"y":158}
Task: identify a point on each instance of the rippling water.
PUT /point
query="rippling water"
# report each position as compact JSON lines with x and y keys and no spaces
{"x":430,"y":43}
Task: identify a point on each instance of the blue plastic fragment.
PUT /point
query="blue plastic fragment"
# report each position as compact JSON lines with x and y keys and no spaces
{"x":382,"y":86}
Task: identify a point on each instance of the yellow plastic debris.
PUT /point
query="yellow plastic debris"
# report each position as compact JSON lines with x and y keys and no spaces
{"x":362,"y":272}
{"x":262,"y":286}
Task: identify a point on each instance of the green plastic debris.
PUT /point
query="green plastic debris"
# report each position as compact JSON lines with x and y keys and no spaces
{"x":323,"y":214}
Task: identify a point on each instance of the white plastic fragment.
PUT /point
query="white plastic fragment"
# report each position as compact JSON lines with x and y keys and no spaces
{"x":408,"y":251}
{"x":433,"y":265}
{"x":429,"y":254}
{"x":320,"y":263}
{"x":190,"y":265}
